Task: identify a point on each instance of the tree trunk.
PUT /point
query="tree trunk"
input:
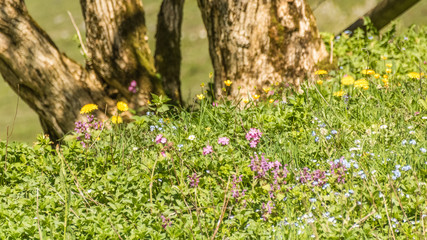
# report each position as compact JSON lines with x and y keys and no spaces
{"x":168,"y":52}
{"x":55,"y":86}
{"x":382,"y":14}
{"x":257,"y":43}
{"x":116,"y":38}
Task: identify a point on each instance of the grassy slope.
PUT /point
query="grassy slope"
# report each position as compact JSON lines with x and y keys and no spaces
{"x":52,"y":16}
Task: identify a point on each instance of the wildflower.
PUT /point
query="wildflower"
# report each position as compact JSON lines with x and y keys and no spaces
{"x":377,"y":76}
{"x":388,"y":70}
{"x":160,"y":139}
{"x":191,"y":137}
{"x":340,"y":93}
{"x":414,"y":75}
{"x":88,"y":108}
{"x":132,"y":86}
{"x":383,"y":57}
{"x":255,"y":96}
{"x":396,"y":174}
{"x":361,"y":83}
{"x":406,"y":168}
{"x":423,"y":150}
{"x":245,"y":100}
{"x":321,"y":72}
{"x":122,"y":106}
{"x":207,"y":150}
{"x":404,"y":142}
{"x":266,"y":89}
{"x":334,"y":132}
{"x":368,"y":72}
{"x":389,"y":65}
{"x":347,"y":80}
{"x":385,"y":76}
{"x":116,"y":119}
{"x":200,"y":96}
{"x":223,"y":141}
{"x":383,"y":126}
{"x":214,"y":104}
{"x":228,"y":83}
{"x":413,"y":142}
{"x":202,"y":85}
{"x":194,"y":180}
{"x":271,"y":101}
{"x":253,"y":136}
{"x":319,"y":82}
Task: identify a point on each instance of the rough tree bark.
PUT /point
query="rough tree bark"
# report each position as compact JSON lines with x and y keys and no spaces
{"x":168,"y":52}
{"x":55,"y":86}
{"x":256,"y":43}
{"x":382,"y":14}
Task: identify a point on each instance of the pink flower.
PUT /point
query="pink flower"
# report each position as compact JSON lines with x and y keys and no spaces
{"x":214,"y":104}
{"x":160,"y":139}
{"x":223,"y":141}
{"x":207,"y":150}
{"x":253,"y":136}
{"x":163,"y":154}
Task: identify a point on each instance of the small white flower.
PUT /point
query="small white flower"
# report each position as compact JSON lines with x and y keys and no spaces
{"x":383,"y":126}
{"x":191,"y":137}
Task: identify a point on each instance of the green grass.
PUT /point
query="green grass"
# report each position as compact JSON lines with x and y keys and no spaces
{"x":296,"y":166}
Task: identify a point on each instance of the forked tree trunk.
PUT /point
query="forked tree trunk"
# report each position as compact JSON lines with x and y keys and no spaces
{"x":255,"y":43}
{"x":55,"y":86}
{"x":168,"y":52}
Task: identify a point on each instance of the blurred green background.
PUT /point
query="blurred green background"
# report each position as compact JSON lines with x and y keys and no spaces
{"x":332,"y":16}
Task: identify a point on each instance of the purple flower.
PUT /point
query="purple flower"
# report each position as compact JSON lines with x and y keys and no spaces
{"x":165,"y":222}
{"x":132,"y":86}
{"x":253,"y":136}
{"x":207,"y":150}
{"x":194,"y":180}
{"x":223,"y":141}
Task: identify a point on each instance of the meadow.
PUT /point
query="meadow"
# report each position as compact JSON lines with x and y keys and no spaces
{"x":344,"y":159}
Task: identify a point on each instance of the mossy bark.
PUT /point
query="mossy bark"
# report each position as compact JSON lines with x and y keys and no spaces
{"x":258,"y":43}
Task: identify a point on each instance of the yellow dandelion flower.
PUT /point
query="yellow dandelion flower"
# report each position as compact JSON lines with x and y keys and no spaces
{"x":88,"y":108}
{"x":271,"y":101}
{"x":347,"y":80}
{"x":368,"y":72}
{"x":277,"y":83}
{"x":385,"y":76}
{"x":116,"y":119}
{"x":202,"y":85}
{"x":266,"y":90}
{"x":389,"y":65}
{"x":148,"y":102}
{"x":398,"y":84}
{"x":321,"y":72}
{"x":385,"y":81}
{"x":377,"y":76}
{"x":122,"y":106}
{"x":365,"y":87}
{"x":255,"y":96}
{"x":319,"y":82}
{"x":414,"y":75}
{"x":200,"y":96}
{"x":361,"y":83}
{"x":388,"y":70}
{"x":228,"y":83}
{"x":383,"y":57}
{"x":245,"y":100}
{"x":340,"y":93}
